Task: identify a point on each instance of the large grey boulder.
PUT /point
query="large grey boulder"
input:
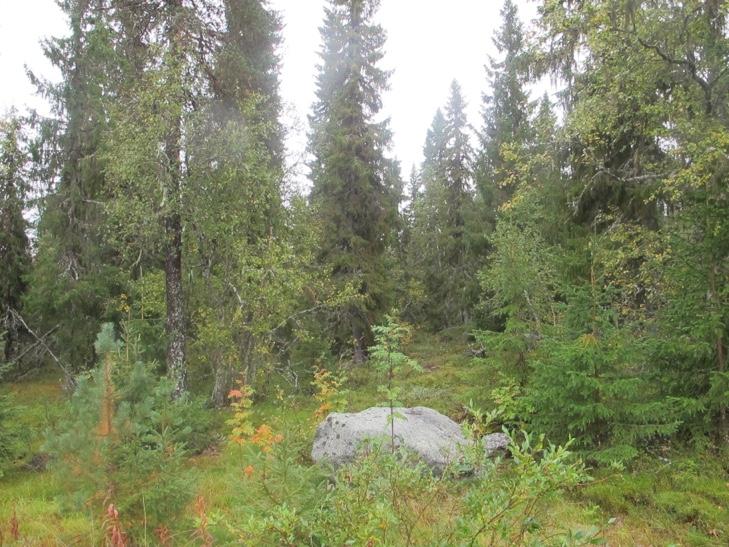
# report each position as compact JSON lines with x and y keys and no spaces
{"x":434,"y":438}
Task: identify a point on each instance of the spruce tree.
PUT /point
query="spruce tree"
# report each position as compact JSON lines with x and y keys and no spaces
{"x":74,"y":274}
{"x":352,"y":178}
{"x":458,"y":157}
{"x":248,"y":66}
{"x":506,"y":112}
{"x":14,"y":245}
{"x":434,"y":148}
{"x":439,"y":246}
{"x":457,"y":163}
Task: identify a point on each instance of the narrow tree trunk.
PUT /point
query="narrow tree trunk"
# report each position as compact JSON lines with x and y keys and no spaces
{"x":248,"y":362}
{"x":175,"y":325}
{"x":10,"y":336}
{"x":721,"y":366}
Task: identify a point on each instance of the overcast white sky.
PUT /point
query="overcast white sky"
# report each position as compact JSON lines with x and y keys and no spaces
{"x":430,"y":42}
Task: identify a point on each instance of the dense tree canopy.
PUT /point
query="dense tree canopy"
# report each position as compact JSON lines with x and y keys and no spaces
{"x":559,"y":266}
{"x":577,"y":240}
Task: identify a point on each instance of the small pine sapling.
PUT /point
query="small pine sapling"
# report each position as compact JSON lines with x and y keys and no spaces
{"x":122,"y":442}
{"x":11,"y":432}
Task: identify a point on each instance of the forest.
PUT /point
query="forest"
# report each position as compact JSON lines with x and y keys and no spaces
{"x":178,"y":316}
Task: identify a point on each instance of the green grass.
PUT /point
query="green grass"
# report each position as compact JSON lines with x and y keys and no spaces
{"x":684,"y":497}
{"x":681,"y":498}
{"x":31,"y":496}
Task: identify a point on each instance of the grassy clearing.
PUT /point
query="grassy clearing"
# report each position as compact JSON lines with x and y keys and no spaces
{"x":677,"y":498}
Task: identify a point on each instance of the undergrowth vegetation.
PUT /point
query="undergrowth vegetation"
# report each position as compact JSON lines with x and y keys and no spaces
{"x":177,"y":473}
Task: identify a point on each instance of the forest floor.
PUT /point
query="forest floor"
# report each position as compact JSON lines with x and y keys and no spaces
{"x":677,"y":497}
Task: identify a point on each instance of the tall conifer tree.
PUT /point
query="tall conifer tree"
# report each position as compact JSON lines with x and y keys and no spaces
{"x":352,"y":177}
{"x":74,"y":274}
{"x":14,"y":245}
{"x":506,"y":110}
{"x":245,"y":136}
{"x":440,"y":236}
{"x":248,"y":66}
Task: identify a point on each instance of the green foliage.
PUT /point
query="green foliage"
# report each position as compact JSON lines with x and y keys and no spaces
{"x":75,"y":273}
{"x":106,"y":341}
{"x":647,"y":121}
{"x":248,"y":65}
{"x":14,"y":244}
{"x":388,"y":359}
{"x":587,"y":384}
{"x":123,"y":440}
{"x":329,"y":393}
{"x":520,"y":285}
{"x":441,"y":249}
{"x":506,"y":111}
{"x":511,"y":505}
{"x":521,"y":278}
{"x":382,"y":498}
{"x":691,"y":347}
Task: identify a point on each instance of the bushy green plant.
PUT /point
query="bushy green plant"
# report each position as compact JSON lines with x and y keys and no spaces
{"x":510,"y":504}
{"x":388,"y":499}
{"x":588,"y":384}
{"x":383,"y":499}
{"x":278,"y":491}
{"x":123,"y":441}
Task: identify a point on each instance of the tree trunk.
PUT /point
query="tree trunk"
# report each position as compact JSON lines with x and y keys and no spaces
{"x":10,"y":336}
{"x":175,"y":324}
{"x":721,"y":366}
{"x":224,"y":376}
{"x":360,"y":355}
{"x":248,"y":362}
{"x":715,"y":303}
